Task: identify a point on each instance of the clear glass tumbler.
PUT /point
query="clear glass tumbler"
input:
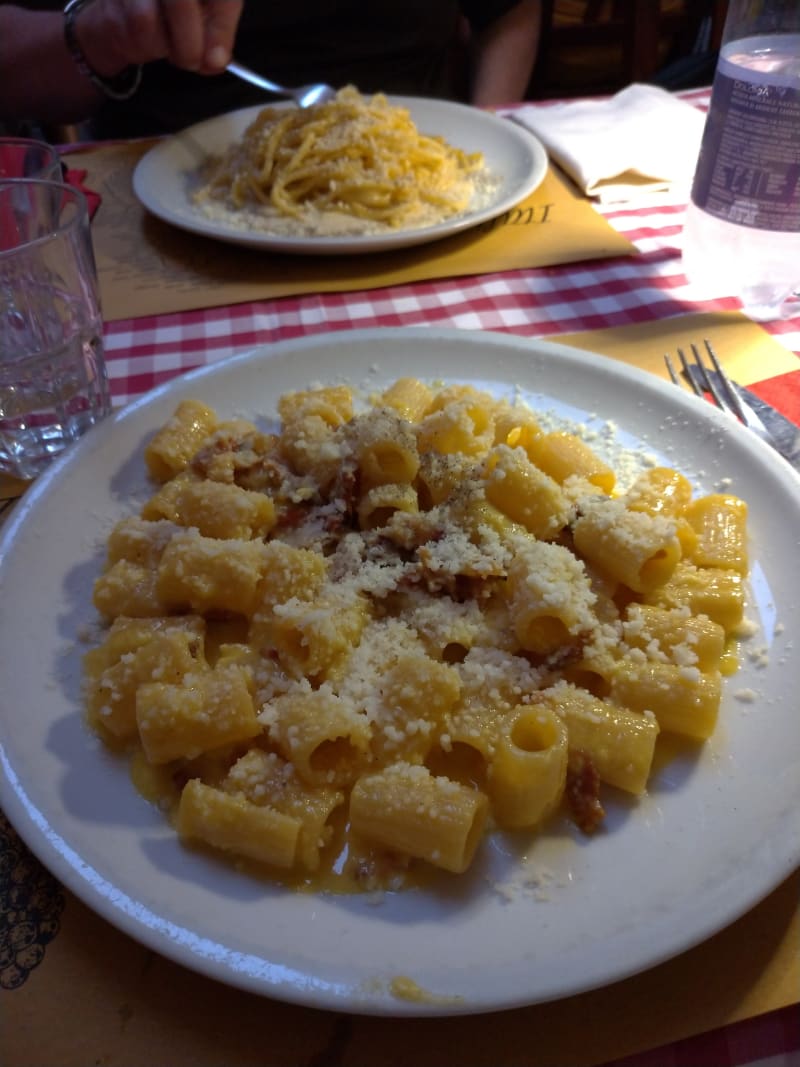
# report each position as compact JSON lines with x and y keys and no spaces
{"x":53,"y":380}
{"x":24,"y":157}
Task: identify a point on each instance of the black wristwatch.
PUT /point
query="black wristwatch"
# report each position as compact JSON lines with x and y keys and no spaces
{"x":123,"y":85}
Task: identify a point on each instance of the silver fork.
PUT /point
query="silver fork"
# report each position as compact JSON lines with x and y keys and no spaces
{"x":304,"y":96}
{"x":722,"y":390}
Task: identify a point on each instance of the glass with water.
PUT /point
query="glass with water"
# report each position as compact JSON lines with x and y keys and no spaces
{"x":53,"y":382}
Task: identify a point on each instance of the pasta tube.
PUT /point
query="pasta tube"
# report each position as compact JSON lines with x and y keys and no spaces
{"x":171,"y":448}
{"x":264,"y":779}
{"x":564,"y":455}
{"x":713,"y":591}
{"x":684,"y":700}
{"x":409,"y":397}
{"x":326,"y":739}
{"x":406,"y":809}
{"x":231,"y":823}
{"x":720,"y":522}
{"x":619,"y":742}
{"x":524,"y":493}
{"x":638,"y":549}
{"x":659,"y":491}
{"x":550,"y":598}
{"x":215,"y":509}
{"x":202,"y":712}
{"x":207,"y":575}
{"x":528,"y":771}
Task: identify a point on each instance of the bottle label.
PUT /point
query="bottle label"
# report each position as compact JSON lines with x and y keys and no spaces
{"x":748,"y":171}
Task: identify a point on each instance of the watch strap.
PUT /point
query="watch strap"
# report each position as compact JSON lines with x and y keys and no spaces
{"x":123,"y":85}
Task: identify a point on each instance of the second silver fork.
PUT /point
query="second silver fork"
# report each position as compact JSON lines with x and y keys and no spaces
{"x":718,"y":385}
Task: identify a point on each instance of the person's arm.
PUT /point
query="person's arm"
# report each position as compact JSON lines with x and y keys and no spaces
{"x":504,"y":53}
{"x":39,"y":79}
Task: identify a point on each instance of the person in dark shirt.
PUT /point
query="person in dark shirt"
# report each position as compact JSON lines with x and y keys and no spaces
{"x":481,"y":51}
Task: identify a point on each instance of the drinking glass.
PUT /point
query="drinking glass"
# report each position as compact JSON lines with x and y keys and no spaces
{"x":23,"y":157}
{"x":53,"y":381}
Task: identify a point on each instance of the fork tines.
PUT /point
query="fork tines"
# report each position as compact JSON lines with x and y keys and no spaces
{"x":716,"y":384}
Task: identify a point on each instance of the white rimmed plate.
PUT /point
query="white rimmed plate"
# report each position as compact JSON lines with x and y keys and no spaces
{"x":717,"y":831}
{"x":162,"y":178}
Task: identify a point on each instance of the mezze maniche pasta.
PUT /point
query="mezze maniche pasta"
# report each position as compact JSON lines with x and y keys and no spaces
{"x":350,"y":649}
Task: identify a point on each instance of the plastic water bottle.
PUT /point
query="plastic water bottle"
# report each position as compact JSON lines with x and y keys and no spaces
{"x":742,"y":232}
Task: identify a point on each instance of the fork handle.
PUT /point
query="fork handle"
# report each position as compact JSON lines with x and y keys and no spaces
{"x":255,"y":79}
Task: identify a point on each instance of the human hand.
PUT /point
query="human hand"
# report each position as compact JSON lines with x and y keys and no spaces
{"x":195,"y":35}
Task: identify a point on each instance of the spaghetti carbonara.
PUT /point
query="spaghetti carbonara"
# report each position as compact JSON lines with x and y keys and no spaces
{"x":353,"y":165}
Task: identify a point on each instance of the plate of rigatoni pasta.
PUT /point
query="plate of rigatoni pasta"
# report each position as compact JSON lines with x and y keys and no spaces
{"x":407,"y":672}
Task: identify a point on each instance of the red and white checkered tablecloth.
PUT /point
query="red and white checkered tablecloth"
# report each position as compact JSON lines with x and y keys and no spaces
{"x":539,"y":302}
{"x":543,"y":302}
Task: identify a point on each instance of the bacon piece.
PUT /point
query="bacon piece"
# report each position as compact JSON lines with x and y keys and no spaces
{"x":583,"y":793}
{"x":346,"y":488}
{"x":292,"y":516}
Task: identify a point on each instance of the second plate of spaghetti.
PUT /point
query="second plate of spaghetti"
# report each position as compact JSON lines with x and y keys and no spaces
{"x":362,"y":174}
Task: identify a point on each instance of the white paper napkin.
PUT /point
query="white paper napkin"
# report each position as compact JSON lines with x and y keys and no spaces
{"x":641,"y":140}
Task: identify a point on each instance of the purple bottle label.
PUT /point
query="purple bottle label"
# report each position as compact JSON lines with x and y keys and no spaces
{"x":749,"y":166}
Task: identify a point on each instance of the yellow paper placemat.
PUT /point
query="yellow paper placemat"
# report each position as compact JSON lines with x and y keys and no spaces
{"x":99,"y":997}
{"x":147,"y":266}
{"x":747,"y":352}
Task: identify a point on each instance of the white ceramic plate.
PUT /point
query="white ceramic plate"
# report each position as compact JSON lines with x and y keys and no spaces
{"x":715,"y":834}
{"x":161,"y":178}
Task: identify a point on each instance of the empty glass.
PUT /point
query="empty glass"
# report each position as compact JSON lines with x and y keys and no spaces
{"x":53,"y":382}
{"x":23,"y":157}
